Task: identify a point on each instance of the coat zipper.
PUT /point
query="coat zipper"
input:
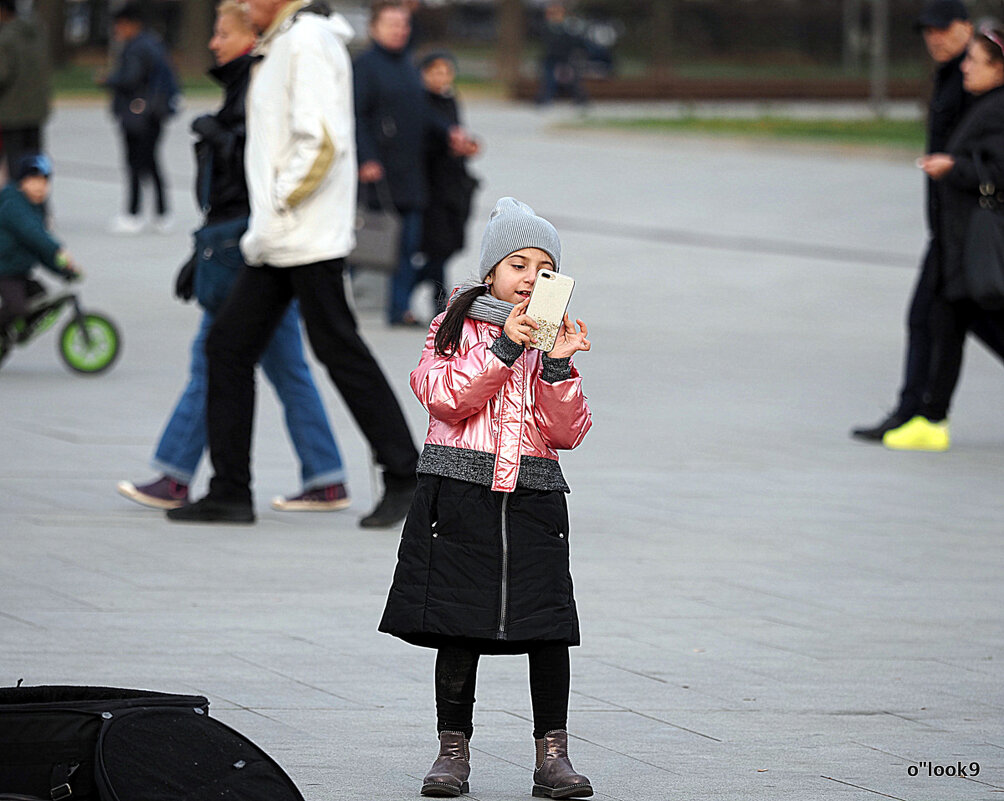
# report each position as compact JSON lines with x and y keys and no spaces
{"x":503,"y":611}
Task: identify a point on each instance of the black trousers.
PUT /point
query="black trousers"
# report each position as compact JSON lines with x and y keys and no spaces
{"x":18,"y":142}
{"x":950,"y":322}
{"x":918,"y":365}
{"x":141,"y":140}
{"x":456,"y":677}
{"x":240,"y":333}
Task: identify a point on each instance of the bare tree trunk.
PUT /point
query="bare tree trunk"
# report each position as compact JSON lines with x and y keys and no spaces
{"x":52,"y":13}
{"x":196,"y":29}
{"x":880,"y":56}
{"x":511,"y":39}
{"x":662,"y":36}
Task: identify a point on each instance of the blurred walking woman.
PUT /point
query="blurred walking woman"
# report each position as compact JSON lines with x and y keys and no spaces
{"x":978,"y":137}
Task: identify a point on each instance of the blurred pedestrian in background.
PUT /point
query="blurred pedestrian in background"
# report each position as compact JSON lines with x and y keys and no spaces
{"x":973,"y":157}
{"x":559,"y":72}
{"x":947,"y":32}
{"x":144,"y":95}
{"x":451,"y":186}
{"x":393,"y":128}
{"x":222,"y":194}
{"x":25,"y":85}
{"x":301,"y":175}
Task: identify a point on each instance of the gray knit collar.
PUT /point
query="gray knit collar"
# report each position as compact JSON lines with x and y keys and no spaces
{"x":487,"y":308}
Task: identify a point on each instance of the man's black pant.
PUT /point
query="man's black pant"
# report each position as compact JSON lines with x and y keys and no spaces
{"x":920,"y":342}
{"x":141,"y":140}
{"x":950,"y":322}
{"x":242,"y":329}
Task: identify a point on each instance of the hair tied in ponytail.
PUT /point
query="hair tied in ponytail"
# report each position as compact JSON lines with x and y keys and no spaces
{"x":451,"y":329}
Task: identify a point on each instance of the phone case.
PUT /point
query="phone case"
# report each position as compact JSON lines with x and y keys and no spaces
{"x":548,"y":302}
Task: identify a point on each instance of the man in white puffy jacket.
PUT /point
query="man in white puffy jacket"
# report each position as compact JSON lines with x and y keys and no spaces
{"x":301,"y":174}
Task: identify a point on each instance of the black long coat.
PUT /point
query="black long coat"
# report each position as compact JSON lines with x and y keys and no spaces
{"x":392,"y":122}
{"x":451,"y":187}
{"x":461,"y":574}
{"x":981,"y":131}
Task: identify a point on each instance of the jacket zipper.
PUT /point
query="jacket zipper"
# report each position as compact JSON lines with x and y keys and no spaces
{"x":503,"y":611}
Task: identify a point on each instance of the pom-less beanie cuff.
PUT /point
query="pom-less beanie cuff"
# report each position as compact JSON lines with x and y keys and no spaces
{"x":513,"y":226}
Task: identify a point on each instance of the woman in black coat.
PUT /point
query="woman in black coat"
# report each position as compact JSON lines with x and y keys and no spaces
{"x":975,"y":149}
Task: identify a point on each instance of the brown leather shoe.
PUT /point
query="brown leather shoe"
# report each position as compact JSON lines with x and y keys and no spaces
{"x":449,"y":773}
{"x":554,"y":776}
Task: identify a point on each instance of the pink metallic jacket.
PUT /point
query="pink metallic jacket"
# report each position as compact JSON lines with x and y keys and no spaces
{"x":483,"y":407}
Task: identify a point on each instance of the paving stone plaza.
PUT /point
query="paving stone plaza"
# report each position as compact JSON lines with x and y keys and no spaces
{"x":769,"y":609}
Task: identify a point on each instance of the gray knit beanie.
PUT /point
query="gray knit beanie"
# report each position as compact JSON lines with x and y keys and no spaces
{"x":513,"y":226}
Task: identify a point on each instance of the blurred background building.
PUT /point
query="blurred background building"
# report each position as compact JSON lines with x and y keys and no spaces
{"x":684,"y":49}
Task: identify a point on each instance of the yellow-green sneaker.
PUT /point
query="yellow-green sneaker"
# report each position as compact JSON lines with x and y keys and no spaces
{"x":918,"y":434}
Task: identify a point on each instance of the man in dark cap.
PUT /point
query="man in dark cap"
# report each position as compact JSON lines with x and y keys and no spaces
{"x":947,"y":31}
{"x":25,"y":86}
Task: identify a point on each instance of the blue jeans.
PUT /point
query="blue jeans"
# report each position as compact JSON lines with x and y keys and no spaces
{"x":184,"y":438}
{"x":403,"y":281}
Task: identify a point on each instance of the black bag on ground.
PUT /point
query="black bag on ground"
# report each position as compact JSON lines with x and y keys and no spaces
{"x":111,"y":744}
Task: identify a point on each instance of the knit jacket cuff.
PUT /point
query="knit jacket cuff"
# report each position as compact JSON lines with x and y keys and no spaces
{"x":507,"y":350}
{"x":555,"y":370}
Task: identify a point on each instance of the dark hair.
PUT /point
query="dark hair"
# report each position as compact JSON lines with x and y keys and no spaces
{"x":451,"y":329}
{"x":992,"y":42}
{"x":10,"y":6}
{"x":379,"y":6}
{"x":130,"y":11}
{"x":429,"y":59}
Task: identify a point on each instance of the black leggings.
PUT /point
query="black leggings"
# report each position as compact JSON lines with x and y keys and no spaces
{"x":141,"y":158}
{"x":456,"y":676}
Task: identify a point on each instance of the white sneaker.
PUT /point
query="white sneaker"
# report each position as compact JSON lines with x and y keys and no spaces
{"x":126,"y":224}
{"x":164,"y":223}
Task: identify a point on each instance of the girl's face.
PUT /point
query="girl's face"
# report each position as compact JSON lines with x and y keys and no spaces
{"x":979,"y":73}
{"x":512,"y":279}
{"x":438,"y":76}
{"x":230,"y":39}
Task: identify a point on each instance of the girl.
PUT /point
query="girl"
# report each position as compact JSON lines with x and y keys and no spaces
{"x":483,"y":561}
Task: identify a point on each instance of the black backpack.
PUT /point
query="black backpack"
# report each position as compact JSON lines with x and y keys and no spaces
{"x":112,"y":744}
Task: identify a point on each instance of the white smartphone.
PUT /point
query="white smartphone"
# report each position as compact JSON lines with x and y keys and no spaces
{"x":548,"y":302}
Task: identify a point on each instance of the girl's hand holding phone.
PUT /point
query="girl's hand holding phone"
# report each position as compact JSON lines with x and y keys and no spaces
{"x":569,"y":340}
{"x":519,"y":326}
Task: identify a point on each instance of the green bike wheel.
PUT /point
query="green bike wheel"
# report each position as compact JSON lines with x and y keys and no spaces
{"x":95,"y":353}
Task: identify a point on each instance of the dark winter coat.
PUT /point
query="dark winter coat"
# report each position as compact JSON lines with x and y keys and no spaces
{"x":949,"y":103}
{"x":25,"y":84}
{"x":221,"y":189}
{"x":483,"y":565}
{"x":393,"y":123}
{"x":451,"y":187}
{"x":24,"y":240}
{"x":980,"y":131}
{"x":133,"y":73}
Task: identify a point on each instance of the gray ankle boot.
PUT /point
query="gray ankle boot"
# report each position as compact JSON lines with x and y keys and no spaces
{"x":554,"y":776}
{"x":449,"y":773}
